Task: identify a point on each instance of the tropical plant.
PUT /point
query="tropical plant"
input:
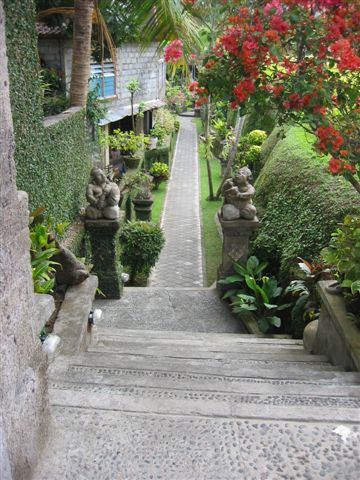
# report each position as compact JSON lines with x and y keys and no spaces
{"x":256,"y":293}
{"x":160,"y":133}
{"x":42,"y":249}
{"x":160,"y":173}
{"x":141,"y":244}
{"x":343,"y":253}
{"x":303,"y":290}
{"x":165,"y":119}
{"x":220,"y":127}
{"x":133,"y":86}
{"x":126,"y":142}
{"x":139,"y":184}
{"x":249,"y":150}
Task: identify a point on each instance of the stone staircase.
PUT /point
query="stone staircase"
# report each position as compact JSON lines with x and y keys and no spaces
{"x":185,"y":405}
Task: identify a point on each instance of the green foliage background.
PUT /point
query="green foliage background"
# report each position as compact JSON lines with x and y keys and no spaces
{"x":299,"y":203}
{"x":52,"y":163}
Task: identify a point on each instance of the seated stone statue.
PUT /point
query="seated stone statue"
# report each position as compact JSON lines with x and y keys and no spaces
{"x":103,"y":197}
{"x":238,"y":194}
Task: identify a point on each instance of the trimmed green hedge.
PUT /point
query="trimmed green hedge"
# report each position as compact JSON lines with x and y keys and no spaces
{"x":52,"y":163}
{"x":299,"y":203}
{"x":162,"y":154}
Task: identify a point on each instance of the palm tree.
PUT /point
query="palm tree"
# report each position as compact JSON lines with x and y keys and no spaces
{"x":80,"y":73}
{"x":159,"y":20}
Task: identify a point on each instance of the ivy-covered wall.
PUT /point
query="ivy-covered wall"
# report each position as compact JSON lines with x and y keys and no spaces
{"x":299,"y":203}
{"x":53,"y":163}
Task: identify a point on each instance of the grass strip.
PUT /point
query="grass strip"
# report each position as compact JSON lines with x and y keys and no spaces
{"x":211,"y":240}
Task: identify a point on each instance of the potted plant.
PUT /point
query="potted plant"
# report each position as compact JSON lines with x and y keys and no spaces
{"x":159,"y":132}
{"x":160,"y":173}
{"x":140,"y":186}
{"x":127,"y":143}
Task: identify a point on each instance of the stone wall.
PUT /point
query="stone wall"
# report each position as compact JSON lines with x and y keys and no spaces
{"x":22,"y":363}
{"x":57,"y":53}
{"x":146,"y":66}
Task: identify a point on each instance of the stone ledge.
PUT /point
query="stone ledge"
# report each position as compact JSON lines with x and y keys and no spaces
{"x":72,"y":322}
{"x":337,"y":337}
{"x":45,"y":306}
{"x":53,"y":119}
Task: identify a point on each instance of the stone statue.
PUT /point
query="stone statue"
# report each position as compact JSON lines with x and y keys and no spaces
{"x":103,"y":197}
{"x":238,"y":194}
{"x":69,"y":270}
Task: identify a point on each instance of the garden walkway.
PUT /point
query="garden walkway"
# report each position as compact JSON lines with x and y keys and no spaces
{"x":181,"y":261}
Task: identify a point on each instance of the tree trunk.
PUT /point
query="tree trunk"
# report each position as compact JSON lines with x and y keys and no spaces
{"x":207,"y":150}
{"x":81,"y":52}
{"x":232,"y":154}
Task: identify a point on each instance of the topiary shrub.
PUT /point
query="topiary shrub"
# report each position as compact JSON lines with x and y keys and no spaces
{"x":141,"y":244}
{"x":299,"y":203}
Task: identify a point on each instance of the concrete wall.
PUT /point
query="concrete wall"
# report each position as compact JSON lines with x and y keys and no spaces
{"x":132,"y":64}
{"x":57,"y":53}
{"x":146,"y":66}
{"x":22,"y":364}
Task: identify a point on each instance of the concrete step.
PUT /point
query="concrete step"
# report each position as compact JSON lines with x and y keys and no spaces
{"x":190,"y":337}
{"x":195,"y":345}
{"x":245,"y":352}
{"x":192,"y":310}
{"x":151,"y":377}
{"x":247,"y":369}
{"x":153,"y":400}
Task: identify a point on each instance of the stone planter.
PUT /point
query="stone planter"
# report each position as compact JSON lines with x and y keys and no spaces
{"x":143,"y":208}
{"x":336,"y":336}
{"x":131,"y":162}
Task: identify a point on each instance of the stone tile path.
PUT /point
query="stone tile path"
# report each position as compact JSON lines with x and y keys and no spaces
{"x":181,"y":261}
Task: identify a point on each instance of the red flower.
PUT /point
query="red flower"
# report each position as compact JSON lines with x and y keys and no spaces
{"x":350,"y":168}
{"x":193,"y":86}
{"x":244,"y":89}
{"x":173,"y":51}
{"x":278,"y":24}
{"x":335,"y":166}
{"x":201,"y":101}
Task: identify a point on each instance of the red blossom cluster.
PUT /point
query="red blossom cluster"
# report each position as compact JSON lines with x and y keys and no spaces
{"x":201,"y":92}
{"x":173,"y":52}
{"x":338,"y":167}
{"x":329,"y":139}
{"x":303,"y":58}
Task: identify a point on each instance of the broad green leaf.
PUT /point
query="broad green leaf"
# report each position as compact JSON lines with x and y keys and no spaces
{"x":263,"y":325}
{"x":276,"y":321}
{"x":355,"y":287}
{"x":250,"y":282}
{"x":252,"y":264}
{"x":270,"y":306}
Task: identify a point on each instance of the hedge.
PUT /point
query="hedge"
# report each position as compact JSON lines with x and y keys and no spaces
{"x":161,"y":154}
{"x":52,"y":163}
{"x":299,"y":203}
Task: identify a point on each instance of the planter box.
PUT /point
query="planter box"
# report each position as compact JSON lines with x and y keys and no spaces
{"x":337,"y":337}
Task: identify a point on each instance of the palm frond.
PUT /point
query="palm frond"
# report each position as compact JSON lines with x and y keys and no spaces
{"x":165,"y":20}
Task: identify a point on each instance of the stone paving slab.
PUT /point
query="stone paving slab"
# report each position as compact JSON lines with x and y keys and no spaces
{"x":193,"y":310}
{"x":181,"y":261}
{"x":106,"y":445}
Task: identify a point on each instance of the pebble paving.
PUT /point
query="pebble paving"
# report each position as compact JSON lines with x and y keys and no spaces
{"x":181,"y":260}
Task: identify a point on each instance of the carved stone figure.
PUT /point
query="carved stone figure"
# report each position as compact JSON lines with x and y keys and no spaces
{"x":69,"y":270}
{"x":103,"y":197}
{"x":238,"y":193}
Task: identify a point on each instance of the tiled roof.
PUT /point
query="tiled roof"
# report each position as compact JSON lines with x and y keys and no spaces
{"x":44,"y":30}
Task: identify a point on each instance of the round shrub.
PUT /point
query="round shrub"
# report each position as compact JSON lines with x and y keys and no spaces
{"x":160,"y":173}
{"x":256,"y":137}
{"x":141,"y":244}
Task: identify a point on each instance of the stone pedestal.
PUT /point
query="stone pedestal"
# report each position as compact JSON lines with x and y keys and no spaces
{"x":236,"y":237}
{"x":105,"y":246}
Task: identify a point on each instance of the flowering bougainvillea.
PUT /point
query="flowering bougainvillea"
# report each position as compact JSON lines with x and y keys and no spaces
{"x":173,"y":52}
{"x":300,"y":58}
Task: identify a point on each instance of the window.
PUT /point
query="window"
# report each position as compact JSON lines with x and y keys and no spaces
{"x":102,"y":79}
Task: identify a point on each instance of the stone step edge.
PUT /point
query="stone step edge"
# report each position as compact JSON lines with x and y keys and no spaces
{"x":155,"y":400}
{"x":214,"y":382}
{"x":233,"y":337}
{"x":209,"y":355}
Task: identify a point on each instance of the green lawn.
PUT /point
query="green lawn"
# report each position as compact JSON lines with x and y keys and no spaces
{"x":159,"y":199}
{"x":211,"y":239}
